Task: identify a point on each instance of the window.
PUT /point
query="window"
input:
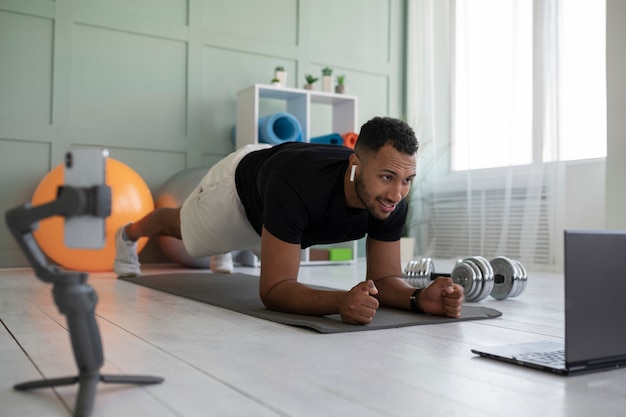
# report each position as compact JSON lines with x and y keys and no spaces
{"x":583,"y":80}
{"x":495,"y":88}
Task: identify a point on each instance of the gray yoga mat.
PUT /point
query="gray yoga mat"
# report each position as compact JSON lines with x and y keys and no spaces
{"x":240,"y":293}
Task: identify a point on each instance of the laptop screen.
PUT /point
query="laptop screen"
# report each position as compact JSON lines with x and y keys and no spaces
{"x":595,"y":295}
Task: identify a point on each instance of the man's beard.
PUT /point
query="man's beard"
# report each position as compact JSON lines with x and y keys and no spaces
{"x":366,"y":198}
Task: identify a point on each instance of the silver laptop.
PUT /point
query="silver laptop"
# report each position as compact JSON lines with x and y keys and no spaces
{"x":595,"y":310}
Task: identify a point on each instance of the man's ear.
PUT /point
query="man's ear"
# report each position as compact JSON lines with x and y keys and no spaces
{"x":354,"y":159}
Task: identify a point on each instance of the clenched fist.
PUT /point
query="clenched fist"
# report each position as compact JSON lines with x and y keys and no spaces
{"x":359,"y":306}
{"x":442,"y":297}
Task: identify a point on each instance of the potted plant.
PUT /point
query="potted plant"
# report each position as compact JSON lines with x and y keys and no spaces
{"x":327,"y":79}
{"x":276,"y":82}
{"x":281,"y":75}
{"x":310,"y":79}
{"x":340,"y":88}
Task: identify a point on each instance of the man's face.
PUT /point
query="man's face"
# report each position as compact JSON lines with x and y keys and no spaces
{"x":384,"y":180}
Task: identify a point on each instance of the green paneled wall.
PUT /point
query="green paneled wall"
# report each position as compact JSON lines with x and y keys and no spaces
{"x":155,"y":81}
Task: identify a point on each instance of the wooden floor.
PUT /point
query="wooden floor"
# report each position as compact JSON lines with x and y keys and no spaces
{"x":220,"y":363}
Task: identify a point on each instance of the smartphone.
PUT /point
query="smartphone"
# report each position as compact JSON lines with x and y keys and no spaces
{"x":85,"y":167}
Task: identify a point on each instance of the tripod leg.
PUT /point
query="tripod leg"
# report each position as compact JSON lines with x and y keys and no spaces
{"x":46,"y":383}
{"x":86,"y":393}
{"x":131,"y":379}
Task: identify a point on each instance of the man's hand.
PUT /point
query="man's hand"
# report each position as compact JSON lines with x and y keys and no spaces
{"x":358,"y":306}
{"x":442,"y":297}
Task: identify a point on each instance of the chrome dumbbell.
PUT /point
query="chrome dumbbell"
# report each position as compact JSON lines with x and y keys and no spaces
{"x":419,"y":272}
{"x":475,"y":275}
{"x":501,"y":277}
{"x":510,"y":278}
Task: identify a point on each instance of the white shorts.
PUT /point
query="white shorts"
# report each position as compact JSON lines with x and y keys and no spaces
{"x":212,"y":219}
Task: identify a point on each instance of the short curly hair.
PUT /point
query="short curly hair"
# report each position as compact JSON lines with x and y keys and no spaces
{"x":379,"y":131}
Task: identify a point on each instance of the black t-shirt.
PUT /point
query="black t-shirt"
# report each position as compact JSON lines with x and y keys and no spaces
{"x":296,"y":191}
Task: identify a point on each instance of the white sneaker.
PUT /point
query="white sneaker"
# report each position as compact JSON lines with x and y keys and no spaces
{"x":222,"y":264}
{"x":126,"y":259}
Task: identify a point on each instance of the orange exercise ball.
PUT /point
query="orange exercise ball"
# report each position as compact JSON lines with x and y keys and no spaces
{"x":131,"y":200}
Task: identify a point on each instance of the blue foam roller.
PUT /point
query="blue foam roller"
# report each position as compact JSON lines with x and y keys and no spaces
{"x":278,"y":128}
{"x":331,"y":139}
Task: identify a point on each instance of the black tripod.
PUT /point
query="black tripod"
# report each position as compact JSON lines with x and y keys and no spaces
{"x":74,"y":298}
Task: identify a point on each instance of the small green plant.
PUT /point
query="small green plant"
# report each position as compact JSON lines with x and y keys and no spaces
{"x":341,"y":79}
{"x":279,"y":68}
{"x":310,"y":79}
{"x":327,"y":71}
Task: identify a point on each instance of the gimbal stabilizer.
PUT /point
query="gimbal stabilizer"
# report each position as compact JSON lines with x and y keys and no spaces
{"x":74,"y":298}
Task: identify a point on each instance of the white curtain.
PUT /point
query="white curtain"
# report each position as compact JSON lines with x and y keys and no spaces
{"x":509,"y":205}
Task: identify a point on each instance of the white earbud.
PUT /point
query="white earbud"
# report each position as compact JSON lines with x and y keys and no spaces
{"x":352,"y":173}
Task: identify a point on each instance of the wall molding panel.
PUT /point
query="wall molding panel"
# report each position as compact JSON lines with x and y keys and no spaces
{"x":155,"y":81}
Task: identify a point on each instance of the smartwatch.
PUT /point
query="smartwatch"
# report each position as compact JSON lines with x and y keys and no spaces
{"x":414,"y":306}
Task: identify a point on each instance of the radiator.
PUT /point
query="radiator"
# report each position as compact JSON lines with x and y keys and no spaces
{"x":490,"y":222}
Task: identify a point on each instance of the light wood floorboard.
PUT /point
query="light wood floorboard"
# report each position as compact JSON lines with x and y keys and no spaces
{"x":220,"y":363}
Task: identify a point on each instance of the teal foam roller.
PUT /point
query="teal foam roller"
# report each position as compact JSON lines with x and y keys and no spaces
{"x":331,"y":139}
{"x":278,"y":128}
{"x":275,"y":128}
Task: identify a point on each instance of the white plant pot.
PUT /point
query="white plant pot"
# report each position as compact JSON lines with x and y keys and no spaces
{"x":327,"y":83}
{"x":282,"y":76}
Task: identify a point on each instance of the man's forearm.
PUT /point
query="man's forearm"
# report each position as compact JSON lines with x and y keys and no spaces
{"x":293,"y":297}
{"x":394,"y":292}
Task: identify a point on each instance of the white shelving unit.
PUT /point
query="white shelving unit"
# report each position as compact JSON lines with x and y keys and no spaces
{"x":298,"y":103}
